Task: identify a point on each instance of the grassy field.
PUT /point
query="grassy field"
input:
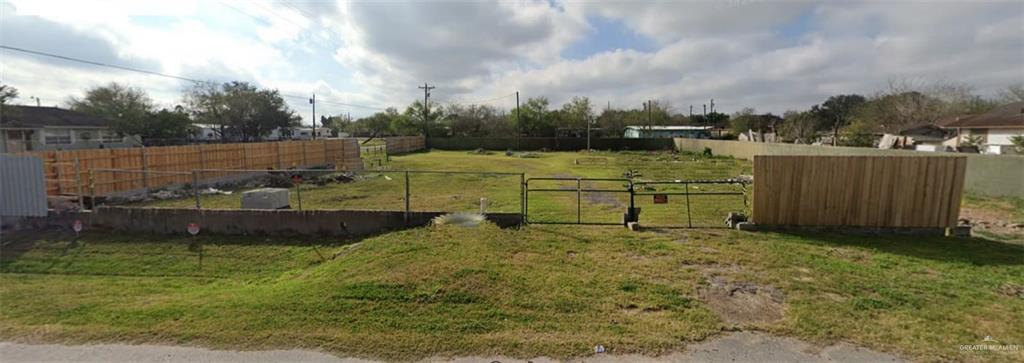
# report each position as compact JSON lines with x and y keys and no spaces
{"x":540,"y":290}
{"x":384,"y":189}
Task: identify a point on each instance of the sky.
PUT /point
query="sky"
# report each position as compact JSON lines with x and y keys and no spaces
{"x":360,"y":57}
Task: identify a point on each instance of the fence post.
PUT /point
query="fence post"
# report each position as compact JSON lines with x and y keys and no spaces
{"x":92,"y":189}
{"x":145,"y":166}
{"x":58,"y":165}
{"x":522,"y":197}
{"x":245,"y":156}
{"x":278,"y":145}
{"x":305,"y":162}
{"x":579,"y":202}
{"x":202,"y":157}
{"x":78,"y":184}
{"x":689,"y":219}
{"x":195,"y":187}
{"x":326,"y":154}
{"x":406,"y":196}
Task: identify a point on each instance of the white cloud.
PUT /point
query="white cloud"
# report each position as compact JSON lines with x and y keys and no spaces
{"x":766,"y":54}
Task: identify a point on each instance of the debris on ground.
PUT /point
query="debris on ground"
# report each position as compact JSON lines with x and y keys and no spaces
{"x":480,"y":151}
{"x":1012,"y":290}
{"x":459,"y":219}
{"x":743,"y":302}
{"x":745,"y":179}
{"x":734,"y":218}
{"x":599,"y":349}
{"x":335,"y":178}
{"x":212,"y":190}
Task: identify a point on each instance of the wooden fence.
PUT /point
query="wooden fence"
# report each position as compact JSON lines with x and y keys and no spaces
{"x":156,"y":167}
{"x":862,"y":191}
{"x":404,"y":144}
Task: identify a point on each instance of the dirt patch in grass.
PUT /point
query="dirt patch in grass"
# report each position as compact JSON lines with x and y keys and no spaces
{"x":1012,"y":290}
{"x":743,"y":303}
{"x":992,"y":221}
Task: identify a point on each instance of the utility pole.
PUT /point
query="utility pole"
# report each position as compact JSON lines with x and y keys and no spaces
{"x":426,"y":109}
{"x":312,"y":101}
{"x":691,"y":111}
{"x":519,"y":125}
{"x":712,"y":105}
{"x":705,"y":111}
{"x":650,"y":109}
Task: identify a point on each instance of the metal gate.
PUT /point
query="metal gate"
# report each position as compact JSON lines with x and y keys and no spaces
{"x":663,"y":204}
{"x":592,"y":201}
{"x":689,"y":203}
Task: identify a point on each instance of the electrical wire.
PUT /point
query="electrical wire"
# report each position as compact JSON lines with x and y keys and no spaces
{"x":143,"y":71}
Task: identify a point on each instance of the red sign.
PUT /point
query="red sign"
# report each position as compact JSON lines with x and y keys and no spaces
{"x":77,"y":225}
{"x":193,"y":228}
{"x":660,"y":198}
{"x":297,"y":178}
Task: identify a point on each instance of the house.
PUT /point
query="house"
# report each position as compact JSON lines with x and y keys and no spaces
{"x":920,"y":137}
{"x":30,"y":128}
{"x":650,"y":132}
{"x":992,"y":130}
{"x":211,"y":133}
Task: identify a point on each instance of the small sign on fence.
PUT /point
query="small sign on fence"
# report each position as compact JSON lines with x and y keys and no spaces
{"x":296,"y":178}
{"x":193,"y":228}
{"x":661,"y":199}
{"x":76,"y":226}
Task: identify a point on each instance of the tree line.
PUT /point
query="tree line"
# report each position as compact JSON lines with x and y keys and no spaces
{"x":242,"y":111}
{"x":234,"y":110}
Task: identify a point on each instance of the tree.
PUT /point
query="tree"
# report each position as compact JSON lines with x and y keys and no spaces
{"x":748,"y":119}
{"x":168,"y":124}
{"x":7,"y":94}
{"x":837,"y":111}
{"x":128,"y":108}
{"x":799,"y":127}
{"x":1018,"y":143}
{"x":715,"y":119}
{"x":612,"y":122}
{"x":1013,"y":93}
{"x":535,"y":119}
{"x":577,"y":113}
{"x":240,"y":109}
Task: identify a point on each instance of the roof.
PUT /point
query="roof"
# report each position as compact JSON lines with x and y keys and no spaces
{"x":36,"y":117}
{"x":1011,"y":115}
{"x":670,"y":128}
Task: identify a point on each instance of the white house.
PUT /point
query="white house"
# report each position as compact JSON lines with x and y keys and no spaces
{"x":30,"y":128}
{"x":994,"y":128}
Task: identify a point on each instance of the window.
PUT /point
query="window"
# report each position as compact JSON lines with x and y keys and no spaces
{"x":111,"y":136}
{"x":57,"y":136}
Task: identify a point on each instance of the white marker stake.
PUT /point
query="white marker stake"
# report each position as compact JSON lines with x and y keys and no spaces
{"x":193,"y":229}
{"x":76,"y":226}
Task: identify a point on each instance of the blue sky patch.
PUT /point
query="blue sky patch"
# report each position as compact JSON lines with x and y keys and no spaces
{"x":607,"y":35}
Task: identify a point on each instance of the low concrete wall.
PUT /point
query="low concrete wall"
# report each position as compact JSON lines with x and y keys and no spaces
{"x":550,"y":143}
{"x":994,"y":175}
{"x":347,"y":223}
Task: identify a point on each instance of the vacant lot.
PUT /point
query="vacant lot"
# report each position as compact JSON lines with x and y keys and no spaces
{"x":385,"y":189}
{"x":541,"y":290}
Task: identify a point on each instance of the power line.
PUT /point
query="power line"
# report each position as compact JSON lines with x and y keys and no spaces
{"x":478,"y":102}
{"x":153,"y":73}
{"x":79,"y":60}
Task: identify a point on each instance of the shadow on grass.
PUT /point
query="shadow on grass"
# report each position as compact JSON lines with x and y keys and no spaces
{"x":976,"y":251}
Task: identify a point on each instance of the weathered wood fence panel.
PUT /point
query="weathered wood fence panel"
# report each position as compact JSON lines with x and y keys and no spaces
{"x":861,"y":191}
{"x":66,"y":171}
{"x":404,"y":144}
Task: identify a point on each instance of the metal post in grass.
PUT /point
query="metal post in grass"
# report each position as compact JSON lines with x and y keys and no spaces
{"x":406,"y":196}
{"x":78,"y":184}
{"x":579,"y":200}
{"x":689,"y":219}
{"x":522,"y":196}
{"x":195,"y":187}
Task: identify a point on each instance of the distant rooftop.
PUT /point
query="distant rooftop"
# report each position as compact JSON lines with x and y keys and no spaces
{"x":1011,"y":115}
{"x":33,"y":117}
{"x":670,"y":128}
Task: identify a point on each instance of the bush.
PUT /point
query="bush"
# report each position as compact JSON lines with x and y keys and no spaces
{"x":707,"y":152}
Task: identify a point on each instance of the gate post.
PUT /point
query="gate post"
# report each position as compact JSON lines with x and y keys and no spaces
{"x":522,"y":197}
{"x":407,"y":197}
{"x":689,"y":219}
{"x":579,"y":202}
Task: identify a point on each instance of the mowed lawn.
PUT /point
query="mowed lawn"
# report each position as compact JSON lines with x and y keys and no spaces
{"x":540,"y":290}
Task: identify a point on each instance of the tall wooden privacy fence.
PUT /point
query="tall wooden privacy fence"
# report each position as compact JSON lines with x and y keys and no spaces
{"x":404,"y":144}
{"x":862,"y":191}
{"x":68,"y":172}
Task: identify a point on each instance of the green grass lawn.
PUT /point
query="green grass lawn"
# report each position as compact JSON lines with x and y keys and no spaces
{"x":540,"y":290}
{"x":384,"y":189}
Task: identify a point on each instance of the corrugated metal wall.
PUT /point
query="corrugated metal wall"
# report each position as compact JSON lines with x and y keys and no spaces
{"x":22,"y":188}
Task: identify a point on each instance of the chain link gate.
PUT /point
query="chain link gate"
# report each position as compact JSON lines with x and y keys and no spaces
{"x":689,"y":203}
{"x":661,"y":204}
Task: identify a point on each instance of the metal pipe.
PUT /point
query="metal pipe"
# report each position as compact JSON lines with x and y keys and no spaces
{"x":689,"y":218}
{"x":522,"y":196}
{"x":195,"y":187}
{"x":78,"y":184}
{"x":579,"y":201}
{"x":407,"y":209}
{"x":92,"y":190}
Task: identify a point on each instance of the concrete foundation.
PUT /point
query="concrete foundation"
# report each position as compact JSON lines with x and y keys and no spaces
{"x":855,"y":230}
{"x":345,"y":223}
